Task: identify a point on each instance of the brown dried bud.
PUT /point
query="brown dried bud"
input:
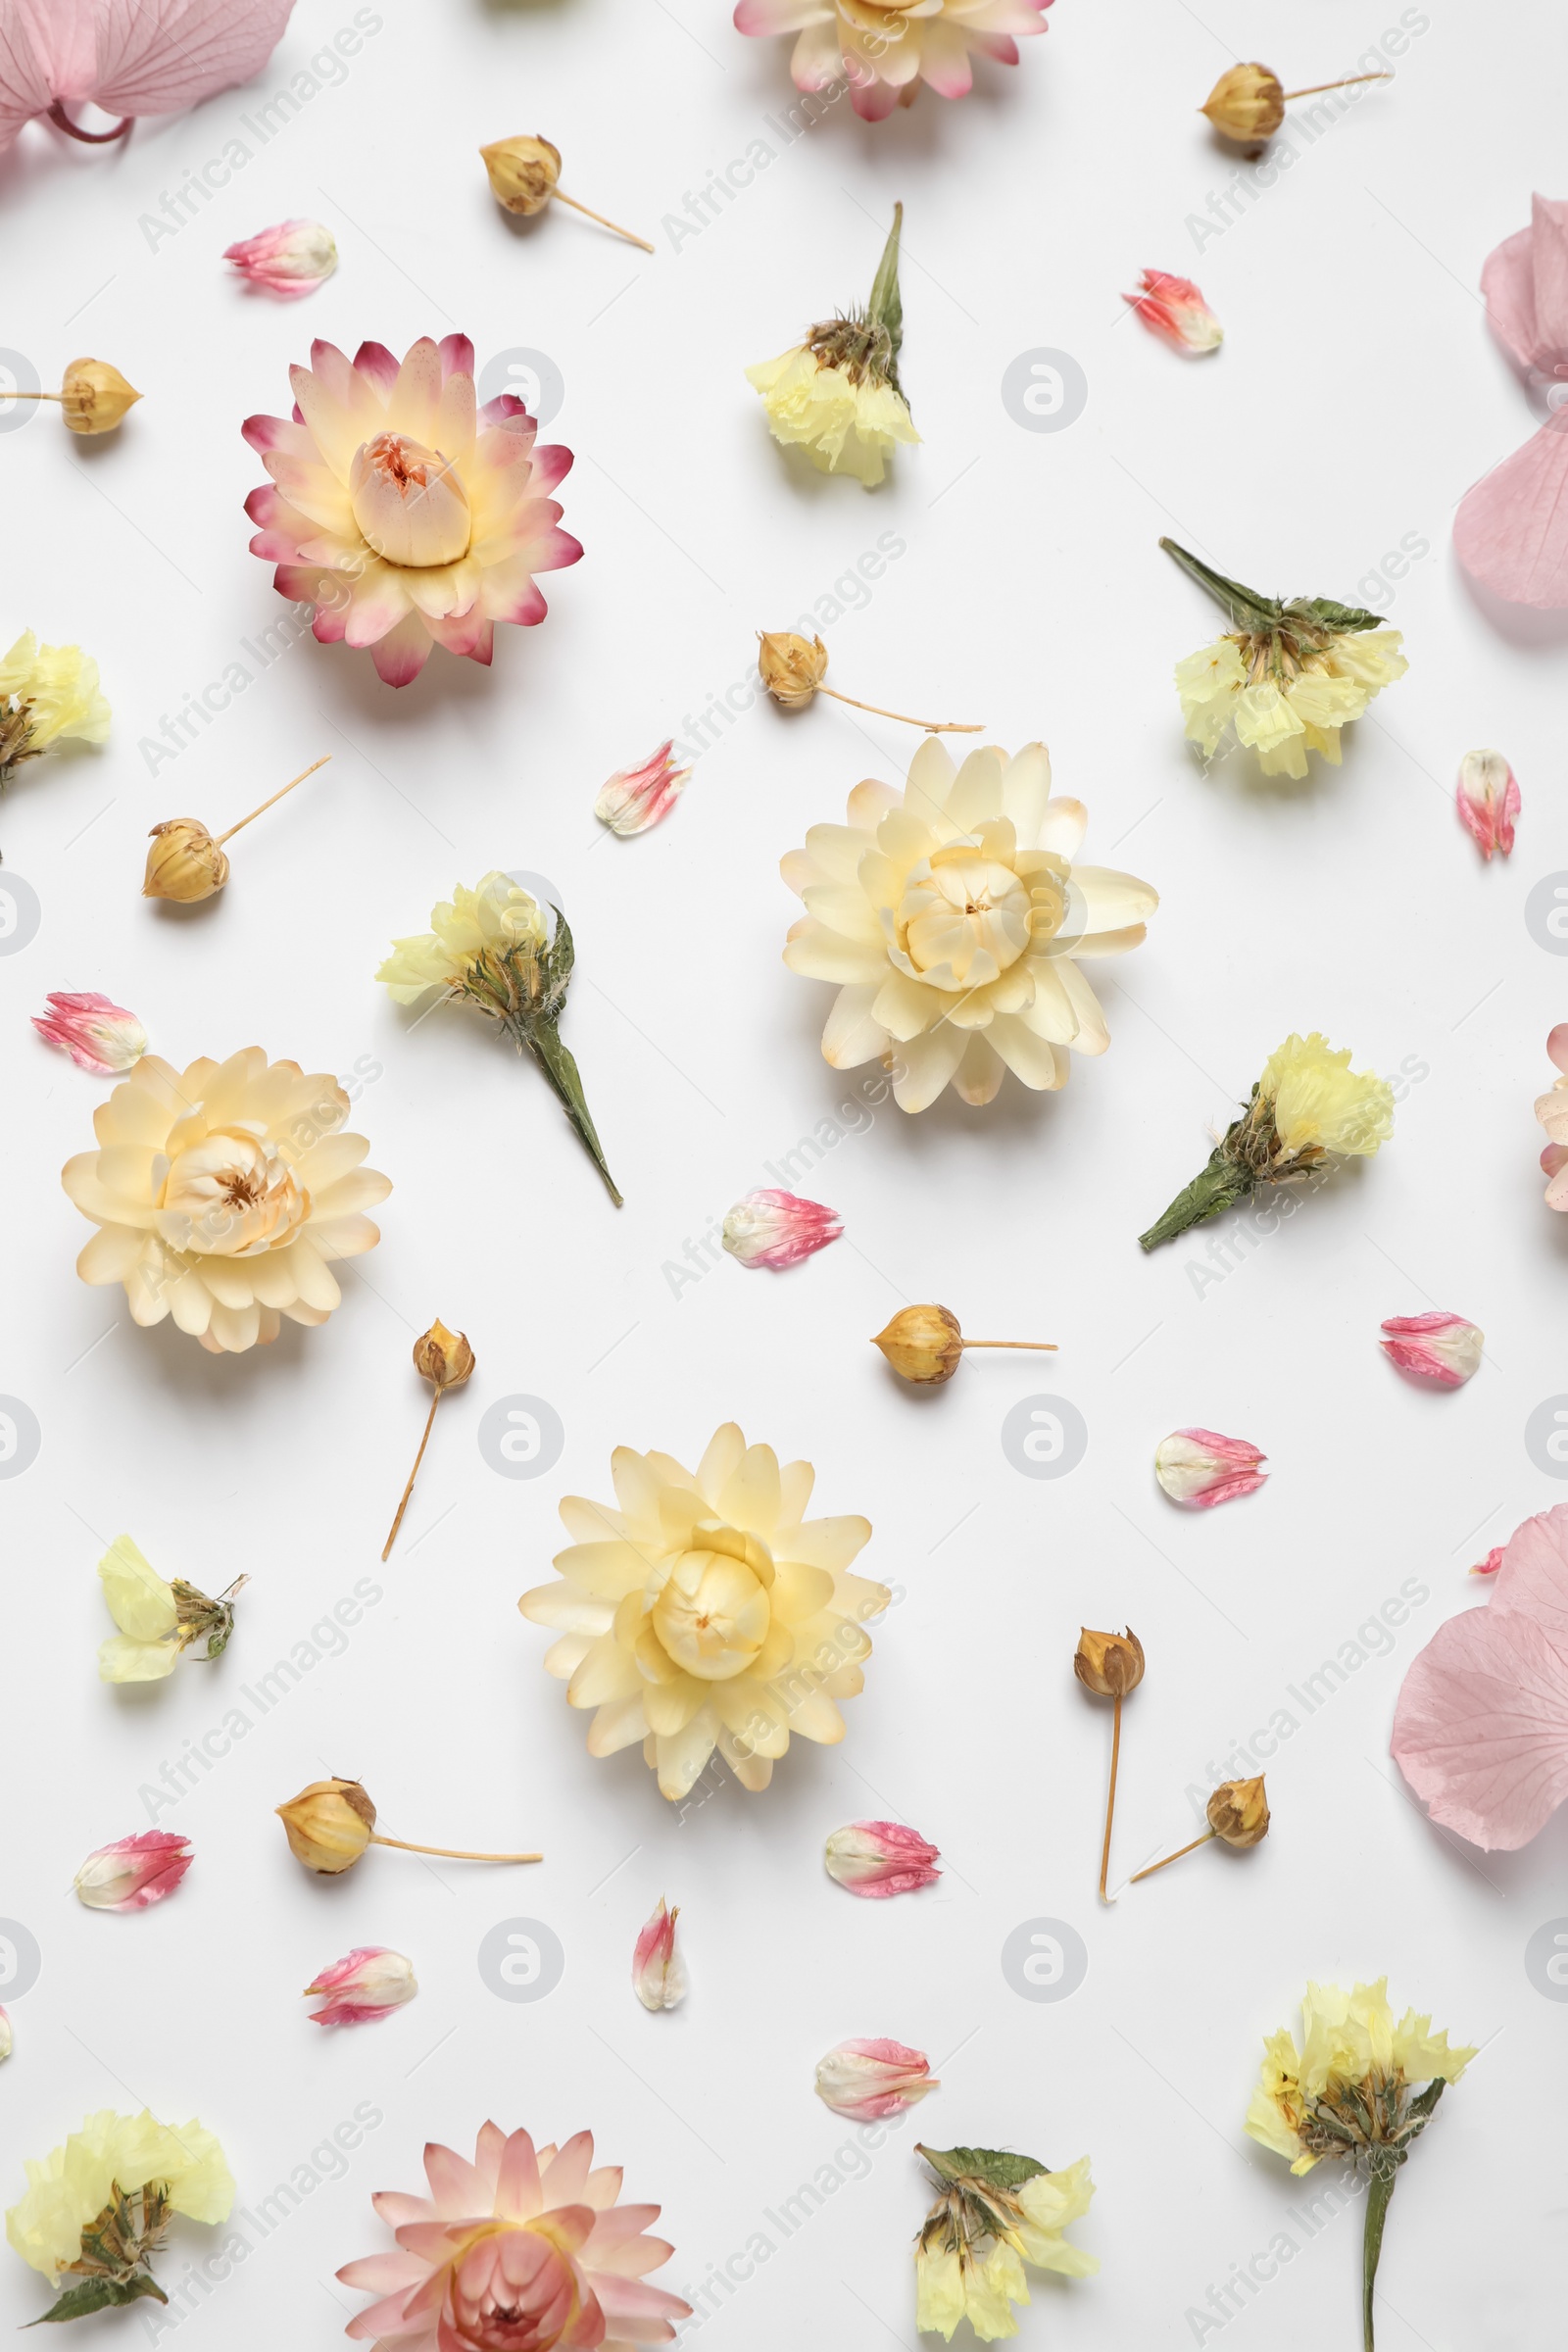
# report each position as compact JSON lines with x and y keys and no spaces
{"x":1247,"y":103}
{"x":329,"y":1825}
{"x":1110,"y":1664}
{"x":94,"y":396}
{"x":443,"y":1357}
{"x":792,"y":669}
{"x":1237,"y":1812}
{"x":522,"y":172}
{"x":184,"y":863}
{"x":922,"y":1344}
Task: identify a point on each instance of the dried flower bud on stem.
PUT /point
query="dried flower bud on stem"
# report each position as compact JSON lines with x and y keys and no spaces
{"x":1247,"y":102}
{"x":329,"y":1824}
{"x":93,"y":397}
{"x":923,"y":1344}
{"x":445,"y":1360}
{"x":1237,"y":1816}
{"x":523,"y":174}
{"x":187,"y":863}
{"x":792,"y":667}
{"x":1110,"y":1665}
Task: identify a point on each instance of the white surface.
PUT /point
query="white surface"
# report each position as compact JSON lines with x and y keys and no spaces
{"x":1357,"y":397}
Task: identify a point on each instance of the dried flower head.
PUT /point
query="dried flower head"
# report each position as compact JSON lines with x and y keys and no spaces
{"x":48,"y":694}
{"x":882,"y":50}
{"x":1111,"y":1665}
{"x":1238,"y":1813}
{"x":184,"y":863}
{"x":158,"y":1621}
{"x":924,"y":1345}
{"x":1247,"y":103}
{"x":98,"y":2209}
{"x":837,"y":396}
{"x":443,"y":1357}
{"x":524,"y":175}
{"x":790,"y":669}
{"x":996,"y":2212}
{"x":329,"y":1824}
{"x":94,"y":396}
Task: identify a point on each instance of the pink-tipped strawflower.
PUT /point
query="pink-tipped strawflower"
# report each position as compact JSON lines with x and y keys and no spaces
{"x":364,"y":1983}
{"x":133,"y":1872}
{"x":1199,"y":1467}
{"x":879,"y":1858}
{"x":1438,"y":1346}
{"x":775,"y":1229}
{"x":1174,"y":309}
{"x":99,"y":1035}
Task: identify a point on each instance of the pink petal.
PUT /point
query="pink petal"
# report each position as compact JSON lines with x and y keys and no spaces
{"x":1557,"y":1047}
{"x":1174,"y":309}
{"x":880,"y":1858}
{"x":1481,"y":1729}
{"x":777,"y":1229}
{"x":1511,"y":530}
{"x":1491,"y":1564}
{"x":131,"y":56}
{"x":1533,"y":1580}
{"x":1487,"y":801}
{"x":1439,"y":1347}
{"x":1201,"y":1468}
{"x":402,"y":654}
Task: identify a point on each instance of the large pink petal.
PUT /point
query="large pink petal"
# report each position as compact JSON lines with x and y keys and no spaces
{"x":1511,"y":530}
{"x":518,"y":2182}
{"x":383,"y":2274}
{"x":402,"y":654}
{"x":565,"y":2180}
{"x":131,"y":57}
{"x":1508,"y":283}
{"x":1534,"y":1576}
{"x":1481,"y":1729}
{"x":1548,"y":270}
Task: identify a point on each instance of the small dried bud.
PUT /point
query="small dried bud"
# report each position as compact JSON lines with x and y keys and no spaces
{"x":790,"y":669}
{"x":1111,"y":1664}
{"x":1237,"y":1812}
{"x":329,"y":1825}
{"x":922,"y":1344}
{"x":522,"y":172}
{"x":94,"y":396}
{"x":1245,"y":104}
{"x":443,"y":1357}
{"x":184,"y":863}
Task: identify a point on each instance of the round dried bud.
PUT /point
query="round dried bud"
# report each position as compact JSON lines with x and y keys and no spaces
{"x":184,"y":863}
{"x":95,"y":396}
{"x":792,"y":669}
{"x":1247,"y":103}
{"x":1111,"y":1664}
{"x":1237,"y":1812}
{"x":922,"y":1344}
{"x":522,"y":172}
{"x":443,"y":1357}
{"x":329,"y":1825}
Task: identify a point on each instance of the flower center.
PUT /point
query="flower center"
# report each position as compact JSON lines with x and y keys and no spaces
{"x":713,"y":1614}
{"x":408,"y":502}
{"x":963,"y":918}
{"x":232,"y":1195}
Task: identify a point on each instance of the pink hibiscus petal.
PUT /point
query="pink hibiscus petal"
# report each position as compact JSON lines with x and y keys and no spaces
{"x":1481,"y":1730}
{"x":129,"y":57}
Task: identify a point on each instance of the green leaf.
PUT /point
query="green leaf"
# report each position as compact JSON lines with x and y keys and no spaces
{"x":997,"y":2168}
{"x":1379,"y":2189}
{"x":885,"y":306}
{"x":1334,"y":616}
{"x":1245,"y":607}
{"x":100,"y":2294}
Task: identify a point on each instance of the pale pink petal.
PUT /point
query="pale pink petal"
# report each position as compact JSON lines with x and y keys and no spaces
{"x":129,"y":57}
{"x":457,"y":2186}
{"x":402,"y":654}
{"x":869,"y":2080}
{"x":1534,"y":1575}
{"x":1481,"y":1729}
{"x":880,"y":1858}
{"x":1487,"y":801}
{"x":1174,"y":309}
{"x":1511,"y":530}
{"x":1557,"y":1047}
{"x":1203,"y":1468}
{"x":636,"y":798}
{"x":133,"y":1872}
{"x":1438,"y":1346}
{"x":1491,"y":1564}
{"x":98,"y":1034}
{"x":777,"y":1229}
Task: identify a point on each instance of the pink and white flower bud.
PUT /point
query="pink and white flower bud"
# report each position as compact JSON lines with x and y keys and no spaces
{"x":1199,"y":1466}
{"x":1438,"y":1346}
{"x":133,"y":1872}
{"x":778,"y":1229}
{"x":366,"y":1982}
{"x":879,"y":1858}
{"x":1491,"y":1564}
{"x":657,"y":1972}
{"x":869,"y":2080}
{"x":294,"y":258}
{"x":98,"y":1034}
{"x":1174,"y":309}
{"x":635,"y":799}
{"x":1487,"y":801}
{"x":408,"y":502}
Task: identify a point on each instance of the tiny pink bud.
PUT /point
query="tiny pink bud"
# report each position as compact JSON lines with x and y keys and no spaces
{"x":1201,"y":1467}
{"x":778,"y":1229}
{"x":658,"y":1973}
{"x":98,"y":1034}
{"x":294,"y":258}
{"x":879,"y":1858}
{"x":869,"y":2080}
{"x":1174,"y":309}
{"x":133,"y":1872}
{"x":366,"y":1982}
{"x":1438,"y":1346}
{"x":1487,"y":801}
{"x":1491,"y":1564}
{"x":635,"y":799}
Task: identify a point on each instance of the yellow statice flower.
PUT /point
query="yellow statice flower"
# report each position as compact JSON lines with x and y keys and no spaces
{"x":149,"y":1642}
{"x":72,"y":2185}
{"x":60,"y":685}
{"x":495,"y":917}
{"x":1348,"y":2040}
{"x":844,"y":424}
{"x":1320,"y":1104}
{"x":997,"y":2212}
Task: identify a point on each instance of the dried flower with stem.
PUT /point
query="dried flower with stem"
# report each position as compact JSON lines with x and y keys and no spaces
{"x":97,"y":2209}
{"x":1237,"y":1816}
{"x":837,"y":396}
{"x":524,"y":173}
{"x":996,"y":2212}
{"x":1247,"y":103}
{"x":1111,"y":1665}
{"x":187,"y":863}
{"x":792,"y":667}
{"x":329,"y":1824}
{"x":93,"y":397}
{"x":445,"y":1360}
{"x":158,"y":1621}
{"x":925,"y":1346}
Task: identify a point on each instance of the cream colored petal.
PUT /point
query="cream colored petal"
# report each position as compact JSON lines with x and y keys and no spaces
{"x":795,"y":1483}
{"x":619,"y":1724}
{"x":607,"y":1672}
{"x":636,"y":1492}
{"x":799,"y":1592}
{"x":758,"y":1717}
{"x":870,"y":803}
{"x":110,"y":1253}
{"x":362,"y":1188}
{"x":683,"y":1757}
{"x":191,"y":1304}
{"x":604,"y":1571}
{"x":671,"y":1706}
{"x":907,"y":1007}
{"x":1026,"y":792}
{"x":748,"y":1497}
{"x":837,"y":851}
{"x":567,"y":1609}
{"x":976,"y":792}
{"x":589,"y":1522}
{"x":925,"y":1064}
{"x":815,"y":1717}
{"x":978,"y":1077}
{"x":1040,"y":1064}
{"x":930,"y":779}
{"x":563,"y":1657}
{"x":1062,"y":828}
{"x":314,"y":1281}
{"x":343,"y":1237}
{"x":234,"y":1329}
{"x":1097,"y":943}
{"x":751,"y":1771}
{"x":1092,"y":1036}
{"x":124,"y":1659}
{"x":844,"y":908}
{"x":724,"y":1454}
{"x":830,"y":1544}
{"x":1103,"y":900}
{"x":823,"y":955}
{"x":1052,"y":1014}
{"x":852,"y":1036}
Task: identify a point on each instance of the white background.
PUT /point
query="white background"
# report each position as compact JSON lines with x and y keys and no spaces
{"x":1357,"y":397}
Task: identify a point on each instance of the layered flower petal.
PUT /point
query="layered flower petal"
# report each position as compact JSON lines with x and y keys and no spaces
{"x":867,"y":2080}
{"x":1438,"y":1346}
{"x":133,"y":1872}
{"x":1199,"y":1466}
{"x":879,"y":1858}
{"x":777,"y":1229}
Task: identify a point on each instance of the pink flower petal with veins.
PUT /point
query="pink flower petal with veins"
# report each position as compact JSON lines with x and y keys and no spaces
{"x":777,"y":1229}
{"x":364,"y":1983}
{"x":99,"y":1035}
{"x":1174,"y":309}
{"x":1511,"y":529}
{"x":1488,"y":801}
{"x":1203,"y":1468}
{"x":1436,"y":1347}
{"x":879,"y":1858}
{"x":129,"y":57}
{"x":133,"y":1872}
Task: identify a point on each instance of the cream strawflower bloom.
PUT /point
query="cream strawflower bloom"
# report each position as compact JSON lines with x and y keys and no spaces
{"x":496,"y":918}
{"x":884,"y":49}
{"x":176,"y":2168}
{"x":997,"y":2212}
{"x":953,"y":918}
{"x":224,"y":1194}
{"x":706,"y":1612}
{"x":846,"y":424}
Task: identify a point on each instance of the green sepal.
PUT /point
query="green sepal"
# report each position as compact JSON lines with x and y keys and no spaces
{"x":885,"y":306}
{"x":1324,"y":610}
{"x":1248,"y":610}
{"x":1220,"y":1186}
{"x":100,"y":2294}
{"x":997,"y":2168}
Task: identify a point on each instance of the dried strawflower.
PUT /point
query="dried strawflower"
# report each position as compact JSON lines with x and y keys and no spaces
{"x":187,"y":864}
{"x":1551,"y":1109}
{"x":882,"y":50}
{"x":1174,"y":309}
{"x":869,"y":2080}
{"x":657,"y":1971}
{"x":996,"y":2212}
{"x":1308,"y":1112}
{"x":1436,"y":1347}
{"x":133,"y":1872}
{"x":837,"y":394}
{"x":294,"y":258}
{"x":524,"y":173}
{"x":952,"y":920}
{"x":1247,"y":102}
{"x":924,"y":1345}
{"x":364,"y":1983}
{"x":493,"y":947}
{"x":158,"y":1621}
{"x":1237,"y":1816}
{"x":99,"y":1035}
{"x":1201,"y":1467}
{"x":1511,"y":529}
{"x":445,"y":1360}
{"x":329,"y":1824}
{"x":519,"y":2251}
{"x":636,"y":798}
{"x":48,"y":695}
{"x":128,"y":59}
{"x":406,"y":515}
{"x":93,"y":397}
{"x":1488,"y":801}
{"x":707,"y":1612}
{"x":223,"y":1195}
{"x":792,"y":668}
{"x":97,"y":2209}
{"x":879,"y":1858}
{"x":1349,"y":2093}
{"x":775,"y":1229}
{"x":1111,"y":1665}
{"x":1289,"y":679}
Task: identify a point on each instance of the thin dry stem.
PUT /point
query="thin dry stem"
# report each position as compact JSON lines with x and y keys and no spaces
{"x":453,"y":1854}
{"x":1317,"y":87}
{"x":1044,"y":1346}
{"x":1170,"y":1858}
{"x":413,"y":1473}
{"x":630,"y":235}
{"x":277,"y":795}
{"x":1111,"y":1797}
{"x":931,"y":726}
